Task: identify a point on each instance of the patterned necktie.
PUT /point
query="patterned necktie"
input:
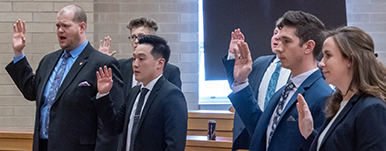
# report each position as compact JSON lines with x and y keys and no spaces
{"x":272,"y":84}
{"x":279,"y":108}
{"x":137,"y":116}
{"x":56,"y":85}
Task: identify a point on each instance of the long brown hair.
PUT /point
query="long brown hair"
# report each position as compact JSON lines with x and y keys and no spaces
{"x":369,"y":75}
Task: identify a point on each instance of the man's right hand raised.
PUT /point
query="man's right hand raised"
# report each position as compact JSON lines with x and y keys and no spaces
{"x":104,"y":46}
{"x":18,"y":41}
{"x":243,"y":63}
{"x":235,"y":37}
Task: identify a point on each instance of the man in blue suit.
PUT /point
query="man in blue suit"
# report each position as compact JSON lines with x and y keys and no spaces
{"x":266,"y":78}
{"x":276,"y":128}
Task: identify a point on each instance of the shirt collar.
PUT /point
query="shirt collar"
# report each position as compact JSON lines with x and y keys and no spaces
{"x":299,"y":79}
{"x":151,"y":83}
{"x":76,"y":52}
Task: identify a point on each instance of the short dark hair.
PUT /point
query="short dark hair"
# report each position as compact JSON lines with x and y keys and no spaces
{"x":79,"y":14}
{"x":160,"y":46}
{"x":308,"y":27}
{"x":149,"y":23}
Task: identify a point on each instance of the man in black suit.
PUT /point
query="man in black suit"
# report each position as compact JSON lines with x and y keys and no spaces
{"x":150,"y":121}
{"x":63,"y":87}
{"x":139,"y":27}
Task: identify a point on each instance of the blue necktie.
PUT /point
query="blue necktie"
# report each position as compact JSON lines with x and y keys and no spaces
{"x":56,"y":85}
{"x":272,"y":84}
{"x":137,"y":116}
{"x":279,"y":108}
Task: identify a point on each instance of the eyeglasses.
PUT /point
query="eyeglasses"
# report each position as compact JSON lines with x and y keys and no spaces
{"x":134,"y":37}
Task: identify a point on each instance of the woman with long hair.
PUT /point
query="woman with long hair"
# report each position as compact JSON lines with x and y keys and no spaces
{"x":356,"y":111}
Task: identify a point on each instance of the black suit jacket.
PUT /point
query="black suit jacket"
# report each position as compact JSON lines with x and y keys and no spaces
{"x":360,"y":126}
{"x":171,"y":73}
{"x":163,"y":122}
{"x":73,"y":118}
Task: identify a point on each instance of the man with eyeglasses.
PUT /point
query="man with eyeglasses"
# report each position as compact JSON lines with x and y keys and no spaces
{"x":139,"y":27}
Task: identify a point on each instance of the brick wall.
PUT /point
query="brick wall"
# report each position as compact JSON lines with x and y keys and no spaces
{"x":178,"y":21}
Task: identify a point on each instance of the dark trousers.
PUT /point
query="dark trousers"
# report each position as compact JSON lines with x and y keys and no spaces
{"x":43,"y":145}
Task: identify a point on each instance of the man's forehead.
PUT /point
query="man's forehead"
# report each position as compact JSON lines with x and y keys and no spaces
{"x":287,"y":32}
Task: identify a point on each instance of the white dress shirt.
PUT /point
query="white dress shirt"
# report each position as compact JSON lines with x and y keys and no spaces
{"x":130,"y":127}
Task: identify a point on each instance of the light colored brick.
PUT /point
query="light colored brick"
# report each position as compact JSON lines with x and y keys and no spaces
{"x":358,"y":18}
{"x":184,"y":47}
{"x":171,"y":38}
{"x":5,"y":79}
{"x":6,"y":110}
{"x":378,"y":17}
{"x":369,"y":8}
{"x":189,"y":37}
{"x":193,"y":106}
{"x":371,"y":27}
{"x":178,"y":27}
{"x":14,"y":100}
{"x":378,"y":1}
{"x":107,"y":28}
{"x":174,"y":58}
{"x":45,"y":17}
{"x":12,"y":17}
{"x":189,"y":57}
{"x":106,"y":7}
{"x":6,"y":27}
{"x":32,"y":6}
{"x":25,"y":110}
{"x":5,"y":6}
{"x":188,"y":67}
{"x":87,"y":7}
{"x":139,"y":7}
{"x":41,"y":27}
{"x":357,"y":1}
{"x":189,"y":17}
{"x":9,"y":90}
{"x":190,"y":87}
{"x":189,"y":77}
{"x":17,"y":121}
{"x":378,"y":36}
{"x":179,"y":7}
{"x":46,"y":38}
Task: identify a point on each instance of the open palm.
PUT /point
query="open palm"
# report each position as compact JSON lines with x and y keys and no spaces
{"x":18,"y":41}
{"x":243,"y":62}
{"x":105,"y":80}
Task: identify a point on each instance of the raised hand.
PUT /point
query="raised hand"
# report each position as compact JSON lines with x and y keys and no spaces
{"x":18,"y":41}
{"x":104,"y":46}
{"x":306,"y":123}
{"x":105,"y":80}
{"x":243,"y":62}
{"x":235,"y":37}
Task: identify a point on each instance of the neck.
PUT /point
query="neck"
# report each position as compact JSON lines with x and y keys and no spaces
{"x":147,"y":82}
{"x":303,"y":67}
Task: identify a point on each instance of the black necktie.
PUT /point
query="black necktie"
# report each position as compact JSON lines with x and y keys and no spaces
{"x":137,"y":116}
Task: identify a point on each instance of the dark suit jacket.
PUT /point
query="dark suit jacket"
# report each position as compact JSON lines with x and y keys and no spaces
{"x":241,"y":137}
{"x":171,"y":73}
{"x":360,"y":126}
{"x":73,"y":117}
{"x":287,"y":135}
{"x":163,"y":123}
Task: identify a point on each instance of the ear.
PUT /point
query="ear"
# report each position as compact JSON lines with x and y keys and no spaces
{"x":82,"y":27}
{"x":160,"y":63}
{"x":309,"y":45}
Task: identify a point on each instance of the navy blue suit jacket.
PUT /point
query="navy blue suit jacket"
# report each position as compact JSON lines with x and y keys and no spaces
{"x":287,"y":135}
{"x":360,"y":126}
{"x":241,"y":137}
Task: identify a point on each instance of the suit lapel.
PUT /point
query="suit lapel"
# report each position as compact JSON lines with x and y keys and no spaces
{"x":80,"y":62}
{"x":151,"y":99}
{"x":129,"y":71}
{"x":46,"y":77}
{"x":260,"y":74}
{"x":302,"y":88}
{"x":342,"y":115}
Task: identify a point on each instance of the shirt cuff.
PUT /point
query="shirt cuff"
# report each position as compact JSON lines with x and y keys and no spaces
{"x":101,"y":95}
{"x":231,"y":56}
{"x":237,"y":88}
{"x":18,"y":58}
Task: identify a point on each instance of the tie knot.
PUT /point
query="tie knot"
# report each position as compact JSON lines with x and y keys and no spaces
{"x":290,"y":86}
{"x":66,"y":55}
{"x":144,"y":90}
